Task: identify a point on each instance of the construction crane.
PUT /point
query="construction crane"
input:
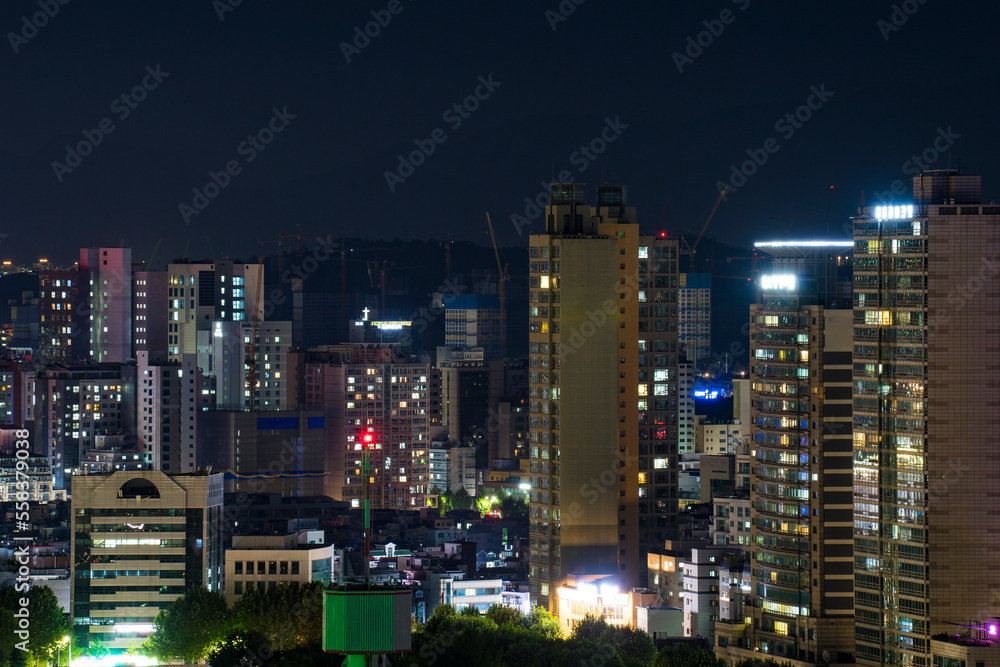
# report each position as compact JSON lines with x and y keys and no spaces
{"x":251,"y":345}
{"x":689,"y":250}
{"x":504,"y":276}
{"x":281,"y":245}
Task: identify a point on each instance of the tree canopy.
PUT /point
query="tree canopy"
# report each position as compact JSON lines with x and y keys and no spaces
{"x":190,"y":626}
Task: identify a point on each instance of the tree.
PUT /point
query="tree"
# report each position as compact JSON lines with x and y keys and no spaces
{"x":95,"y":649}
{"x":239,"y":649}
{"x":49,"y":624}
{"x":590,"y":627}
{"x":287,"y":617}
{"x":8,"y":624}
{"x":189,"y":626}
{"x":683,"y":655}
{"x":544,"y":624}
{"x":484,"y":504}
{"x":634,"y":647}
{"x":461,"y":500}
{"x":511,"y":506}
{"x":503,"y":615}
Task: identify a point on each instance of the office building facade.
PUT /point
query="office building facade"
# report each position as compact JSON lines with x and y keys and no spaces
{"x":801,"y":485}
{"x":926,"y":340}
{"x":140,"y":541}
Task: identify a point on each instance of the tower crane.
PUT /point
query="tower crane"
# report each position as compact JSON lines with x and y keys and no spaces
{"x":251,"y":345}
{"x":281,"y":246}
{"x":689,"y":250}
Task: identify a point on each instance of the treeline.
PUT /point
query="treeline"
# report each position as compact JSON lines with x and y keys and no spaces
{"x":282,"y":627}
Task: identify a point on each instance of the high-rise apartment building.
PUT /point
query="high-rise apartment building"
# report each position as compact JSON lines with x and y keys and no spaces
{"x":687,"y":421}
{"x":695,"y":315}
{"x":64,"y":315}
{"x":474,"y":320}
{"x":603,"y":391}
{"x":76,"y":408}
{"x":11,"y":394}
{"x":802,"y":584}
{"x":360,"y":388}
{"x":140,"y":541}
{"x":167,"y":411}
{"x":470,"y":394}
{"x":201,"y":293}
{"x":400,"y":401}
{"x":926,"y":422}
{"x":110,"y":299}
{"x":149,"y":310}
{"x":227,"y":364}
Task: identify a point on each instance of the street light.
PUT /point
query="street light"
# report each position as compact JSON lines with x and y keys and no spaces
{"x":68,"y":641}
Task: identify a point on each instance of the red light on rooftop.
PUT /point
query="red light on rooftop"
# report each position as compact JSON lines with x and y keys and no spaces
{"x":663,"y":235}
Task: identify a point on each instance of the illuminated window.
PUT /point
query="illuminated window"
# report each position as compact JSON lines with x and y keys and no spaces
{"x":544,"y":283}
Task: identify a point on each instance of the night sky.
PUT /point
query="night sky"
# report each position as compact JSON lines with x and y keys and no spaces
{"x":555,"y":82}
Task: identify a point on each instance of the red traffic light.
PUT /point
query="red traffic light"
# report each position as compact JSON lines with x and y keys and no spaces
{"x":368,"y":438}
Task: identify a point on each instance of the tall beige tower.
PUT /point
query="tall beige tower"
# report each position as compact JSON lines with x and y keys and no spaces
{"x":603,"y":392}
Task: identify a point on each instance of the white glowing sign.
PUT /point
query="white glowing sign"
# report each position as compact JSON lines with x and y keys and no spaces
{"x":384,"y":326}
{"x":893,"y":212}
{"x":779,"y":281}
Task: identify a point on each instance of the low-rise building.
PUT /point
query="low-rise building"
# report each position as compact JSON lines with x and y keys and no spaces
{"x":261,"y":562}
{"x":37,"y":480}
{"x":701,"y":592}
{"x":599,"y":595}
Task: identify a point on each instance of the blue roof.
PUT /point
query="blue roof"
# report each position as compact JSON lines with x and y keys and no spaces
{"x":471,"y":301}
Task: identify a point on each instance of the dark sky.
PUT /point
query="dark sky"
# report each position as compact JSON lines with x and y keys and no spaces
{"x":326,"y":169}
